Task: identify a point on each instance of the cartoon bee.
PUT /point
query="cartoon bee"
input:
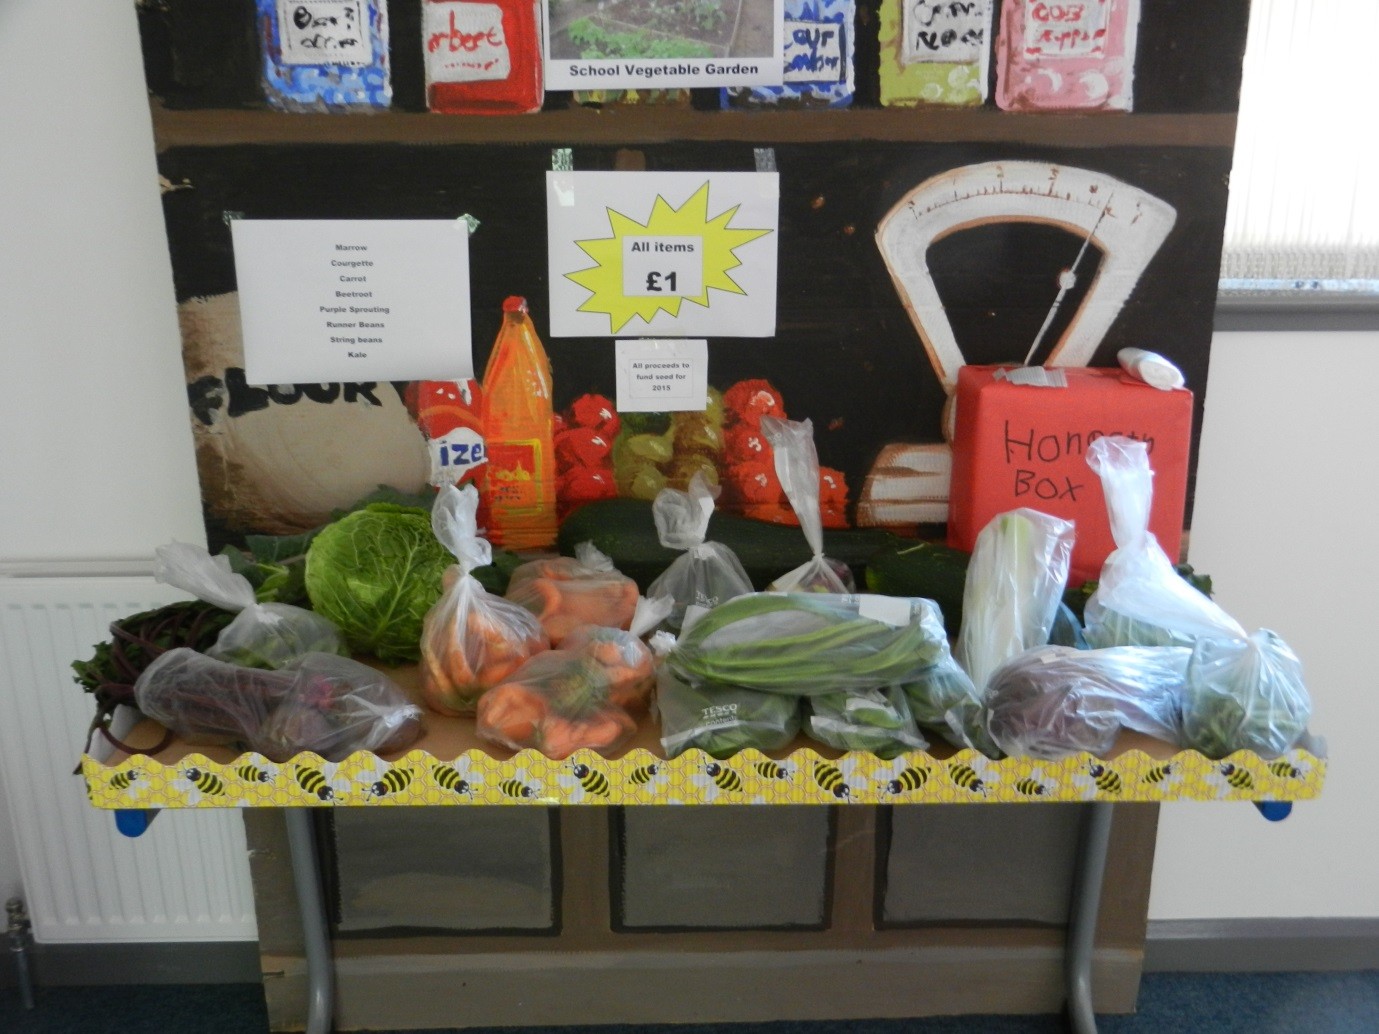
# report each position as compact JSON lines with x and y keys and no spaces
{"x":1031,"y":787}
{"x":1106,"y":780}
{"x":1285,"y":769}
{"x":517,"y":789}
{"x":593,"y":781}
{"x":965,"y":776}
{"x":642,"y":776}
{"x":771,"y":769}
{"x":1238,"y":777}
{"x":447,"y":778}
{"x":1158,"y":774}
{"x":207,"y":782}
{"x":830,"y":778}
{"x":124,"y":780}
{"x":908,"y":780}
{"x":252,"y":773}
{"x":313,"y":781}
{"x":392,"y":781}
{"x":723,"y":777}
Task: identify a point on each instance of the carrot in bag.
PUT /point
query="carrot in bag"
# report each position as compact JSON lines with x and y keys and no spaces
{"x":567,"y":592}
{"x":627,"y":662}
{"x":470,"y":640}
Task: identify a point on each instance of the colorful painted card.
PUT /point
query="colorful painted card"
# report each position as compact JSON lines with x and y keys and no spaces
{"x":665,"y":254}
{"x":482,"y":57}
{"x":935,"y":51}
{"x":818,"y":59}
{"x":1076,"y":56}
{"x":325,"y":55}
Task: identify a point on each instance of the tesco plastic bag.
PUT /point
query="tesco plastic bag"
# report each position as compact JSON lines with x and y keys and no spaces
{"x":567,"y":592}
{"x":262,"y":635}
{"x":878,"y":721}
{"x":1057,"y":700}
{"x":722,"y":720}
{"x":797,"y":468}
{"x":324,"y":703}
{"x":708,"y":573}
{"x":471,"y":640}
{"x":1140,"y":600}
{"x":1244,"y":694}
{"x":1014,"y":585}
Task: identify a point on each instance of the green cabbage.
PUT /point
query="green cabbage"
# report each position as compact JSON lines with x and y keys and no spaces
{"x":375,"y":573}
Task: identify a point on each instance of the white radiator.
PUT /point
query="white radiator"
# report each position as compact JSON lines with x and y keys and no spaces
{"x":187,"y":878}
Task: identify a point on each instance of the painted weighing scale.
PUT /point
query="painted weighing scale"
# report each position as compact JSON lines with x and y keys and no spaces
{"x":908,"y":483}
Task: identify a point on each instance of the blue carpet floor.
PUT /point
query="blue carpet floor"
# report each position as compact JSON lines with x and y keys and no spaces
{"x":1170,"y":1003}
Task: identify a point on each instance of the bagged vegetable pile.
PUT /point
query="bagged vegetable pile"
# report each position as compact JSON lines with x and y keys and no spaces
{"x":321,"y":702}
{"x":1244,"y":694}
{"x":1056,"y":700}
{"x":809,"y":644}
{"x":375,"y":573}
{"x":875,"y":720}
{"x":262,"y":635}
{"x":471,"y":640}
{"x":722,"y":720}
{"x":942,"y":696}
{"x":707,"y":573}
{"x":567,"y":592}
{"x":797,"y":468}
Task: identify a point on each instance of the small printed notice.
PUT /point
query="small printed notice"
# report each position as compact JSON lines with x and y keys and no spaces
{"x":353,"y":300}
{"x":662,"y":376}
{"x":324,"y":32}
{"x":676,"y":254}
{"x":946,"y":32}
{"x":644,"y":45}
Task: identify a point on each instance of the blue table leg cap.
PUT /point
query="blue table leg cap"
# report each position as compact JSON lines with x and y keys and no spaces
{"x":1275,"y":811}
{"x":133,"y":822}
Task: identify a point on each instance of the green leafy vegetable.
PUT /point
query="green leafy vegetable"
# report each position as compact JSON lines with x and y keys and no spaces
{"x":375,"y":573}
{"x":1244,"y":694}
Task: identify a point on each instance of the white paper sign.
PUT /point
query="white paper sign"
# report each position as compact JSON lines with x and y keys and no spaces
{"x":705,"y":43}
{"x":324,"y":32}
{"x":353,"y":300}
{"x":662,"y":376}
{"x":668,"y":254}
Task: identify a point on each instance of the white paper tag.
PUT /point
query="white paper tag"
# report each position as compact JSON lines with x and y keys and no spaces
{"x":940,"y":31}
{"x":814,"y":52}
{"x":889,"y":610}
{"x":353,"y":299}
{"x":662,"y":376}
{"x":464,"y":42}
{"x":1073,"y":29}
{"x":324,"y":32}
{"x":455,"y":454}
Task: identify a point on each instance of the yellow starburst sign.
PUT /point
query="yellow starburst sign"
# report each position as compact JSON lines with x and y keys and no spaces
{"x":681,"y":256}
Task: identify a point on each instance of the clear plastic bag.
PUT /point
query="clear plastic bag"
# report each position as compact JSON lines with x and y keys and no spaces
{"x":262,"y":635}
{"x":1057,"y":700}
{"x":471,"y":640}
{"x":1140,"y":600}
{"x":797,"y":468}
{"x":324,"y":703}
{"x":943,"y":698}
{"x":722,"y":720}
{"x":1244,"y":694}
{"x":709,"y":573}
{"x":627,"y":661}
{"x":811,"y":644}
{"x":1014,"y":584}
{"x":878,"y":721}
{"x":567,"y":592}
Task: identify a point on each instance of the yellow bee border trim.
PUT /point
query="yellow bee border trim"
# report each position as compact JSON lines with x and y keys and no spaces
{"x":639,"y":777}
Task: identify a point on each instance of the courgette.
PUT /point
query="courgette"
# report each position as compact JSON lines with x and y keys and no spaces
{"x":624,"y":530}
{"x":927,"y":569}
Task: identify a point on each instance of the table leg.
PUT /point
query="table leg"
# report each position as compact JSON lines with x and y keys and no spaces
{"x":1091,"y":867}
{"x":306,"y":875}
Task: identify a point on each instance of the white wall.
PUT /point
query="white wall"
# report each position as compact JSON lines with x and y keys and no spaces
{"x":99,"y":464}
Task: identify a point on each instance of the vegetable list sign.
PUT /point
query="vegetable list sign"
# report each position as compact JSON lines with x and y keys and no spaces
{"x":353,"y":300}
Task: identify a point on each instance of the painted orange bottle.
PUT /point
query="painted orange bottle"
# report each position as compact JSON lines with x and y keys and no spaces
{"x":519,"y":424}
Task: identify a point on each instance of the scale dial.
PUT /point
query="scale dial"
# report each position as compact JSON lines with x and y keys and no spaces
{"x":1124,"y":222}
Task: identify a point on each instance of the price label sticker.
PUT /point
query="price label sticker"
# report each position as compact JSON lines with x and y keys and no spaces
{"x":670,"y":266}
{"x":889,"y":610}
{"x":662,"y":376}
{"x":455,"y":454}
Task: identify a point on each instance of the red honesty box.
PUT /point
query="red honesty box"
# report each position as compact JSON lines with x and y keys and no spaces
{"x":1020,"y":445}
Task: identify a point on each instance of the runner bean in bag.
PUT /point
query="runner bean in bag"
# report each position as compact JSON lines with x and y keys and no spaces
{"x":471,"y":640}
